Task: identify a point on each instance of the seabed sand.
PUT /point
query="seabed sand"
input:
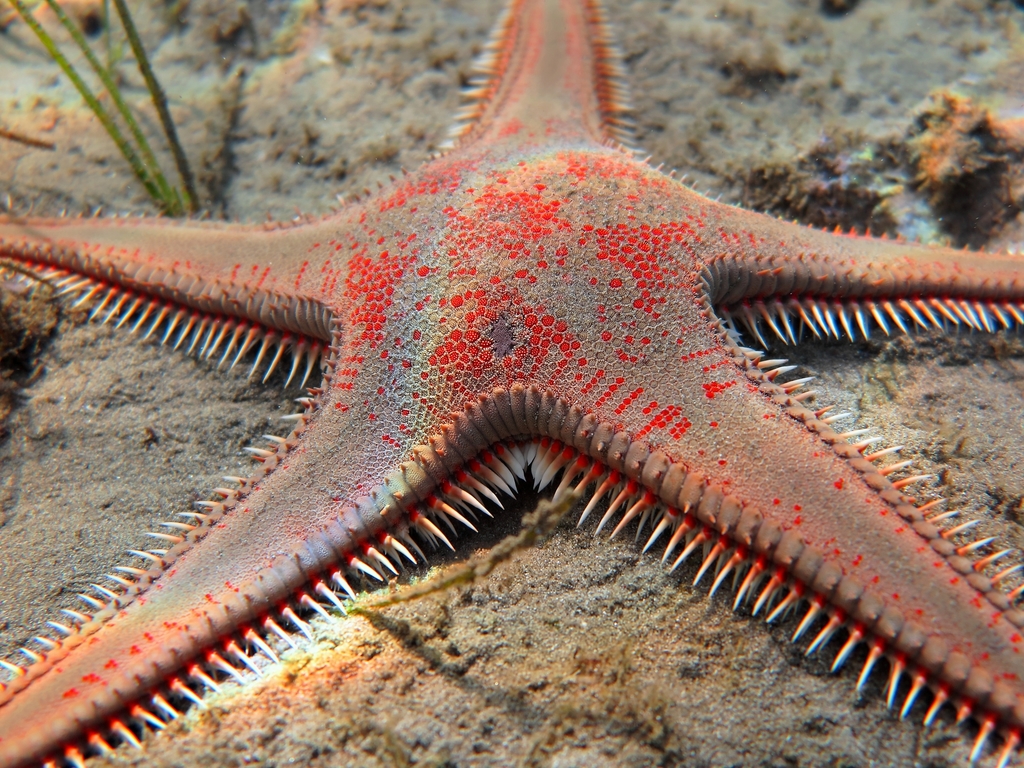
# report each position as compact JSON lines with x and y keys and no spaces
{"x":581,"y":652}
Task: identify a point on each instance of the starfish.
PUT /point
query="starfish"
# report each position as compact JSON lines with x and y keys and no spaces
{"x":536,"y":303}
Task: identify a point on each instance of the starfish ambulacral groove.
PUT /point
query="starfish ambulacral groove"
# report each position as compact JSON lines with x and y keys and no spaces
{"x":534,"y":300}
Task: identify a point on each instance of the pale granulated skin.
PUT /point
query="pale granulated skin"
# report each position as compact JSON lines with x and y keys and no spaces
{"x":573,"y":654}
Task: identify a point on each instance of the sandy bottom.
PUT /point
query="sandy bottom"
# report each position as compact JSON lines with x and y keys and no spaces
{"x":580,"y":652}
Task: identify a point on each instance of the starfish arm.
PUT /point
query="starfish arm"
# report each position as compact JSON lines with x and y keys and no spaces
{"x":813,"y":518}
{"x":190,"y":610}
{"x":762,"y":258}
{"x":550,"y":72}
{"x":257,"y":274}
{"x":847,"y":539}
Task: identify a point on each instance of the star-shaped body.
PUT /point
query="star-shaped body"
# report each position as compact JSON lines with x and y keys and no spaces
{"x":536,"y":284}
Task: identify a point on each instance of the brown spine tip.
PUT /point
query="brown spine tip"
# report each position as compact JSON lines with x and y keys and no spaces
{"x":672,"y":483}
{"x":570,"y":424}
{"x":847,"y":452}
{"x":789,"y":549}
{"x":768,"y":536}
{"x":690,"y":493}
{"x":729,"y":514}
{"x":933,"y":654}
{"x":889,"y":623}
{"x":602,"y":441}
{"x":911,"y":638}
{"x":617,"y":451}
{"x":827,"y":579}
{"x":432,"y":464}
{"x":868,"y":609}
{"x":655,"y":470}
{"x":910,"y":513}
{"x":707,"y":510}
{"x":748,"y":526}
{"x":847,"y":594}
{"x":635,"y":459}
{"x":584,"y":435}
{"x":808,"y":564}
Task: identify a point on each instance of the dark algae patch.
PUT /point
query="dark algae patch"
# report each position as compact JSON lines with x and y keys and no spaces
{"x":969,"y":166}
{"x":28,"y":316}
